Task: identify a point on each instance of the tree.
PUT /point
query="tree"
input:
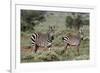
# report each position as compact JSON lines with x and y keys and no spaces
{"x":30,"y":18}
{"x":77,"y":20}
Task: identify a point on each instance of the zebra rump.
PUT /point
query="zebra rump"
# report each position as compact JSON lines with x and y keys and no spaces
{"x":33,"y":38}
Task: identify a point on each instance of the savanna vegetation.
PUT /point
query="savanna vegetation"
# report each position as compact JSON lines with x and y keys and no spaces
{"x":64,"y":22}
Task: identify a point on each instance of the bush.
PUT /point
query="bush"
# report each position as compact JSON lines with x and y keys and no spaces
{"x":30,"y":18}
{"x":47,"y":56}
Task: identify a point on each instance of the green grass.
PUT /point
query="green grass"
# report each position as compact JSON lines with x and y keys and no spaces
{"x":57,"y":54}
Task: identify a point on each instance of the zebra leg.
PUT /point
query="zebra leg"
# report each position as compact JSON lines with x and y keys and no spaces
{"x":49,"y":48}
{"x":36,"y":48}
{"x":66,"y":47}
{"x":33,"y":48}
{"x":78,"y":50}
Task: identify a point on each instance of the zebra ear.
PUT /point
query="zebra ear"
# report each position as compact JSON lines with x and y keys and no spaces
{"x":51,"y":28}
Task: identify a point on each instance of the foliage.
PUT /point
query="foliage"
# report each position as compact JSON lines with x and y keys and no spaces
{"x":30,"y":18}
{"x":76,"y":20}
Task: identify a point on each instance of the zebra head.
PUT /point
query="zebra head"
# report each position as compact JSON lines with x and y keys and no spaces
{"x":81,"y":34}
{"x":50,"y":33}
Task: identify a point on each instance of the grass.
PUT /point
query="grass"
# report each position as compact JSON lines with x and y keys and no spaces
{"x":57,"y":54}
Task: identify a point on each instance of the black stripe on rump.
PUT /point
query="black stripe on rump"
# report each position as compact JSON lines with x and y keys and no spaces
{"x":33,"y":43}
{"x":33,"y":36}
{"x":66,"y":38}
{"x":33,"y":40}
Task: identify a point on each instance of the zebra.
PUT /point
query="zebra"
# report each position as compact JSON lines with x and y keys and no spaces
{"x":43,"y":39}
{"x":73,"y":40}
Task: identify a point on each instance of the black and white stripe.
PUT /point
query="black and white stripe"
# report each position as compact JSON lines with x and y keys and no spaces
{"x":33,"y":38}
{"x":65,"y":38}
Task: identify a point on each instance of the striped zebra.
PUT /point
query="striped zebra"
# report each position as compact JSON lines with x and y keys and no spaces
{"x":43,"y":40}
{"x":72,"y":40}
